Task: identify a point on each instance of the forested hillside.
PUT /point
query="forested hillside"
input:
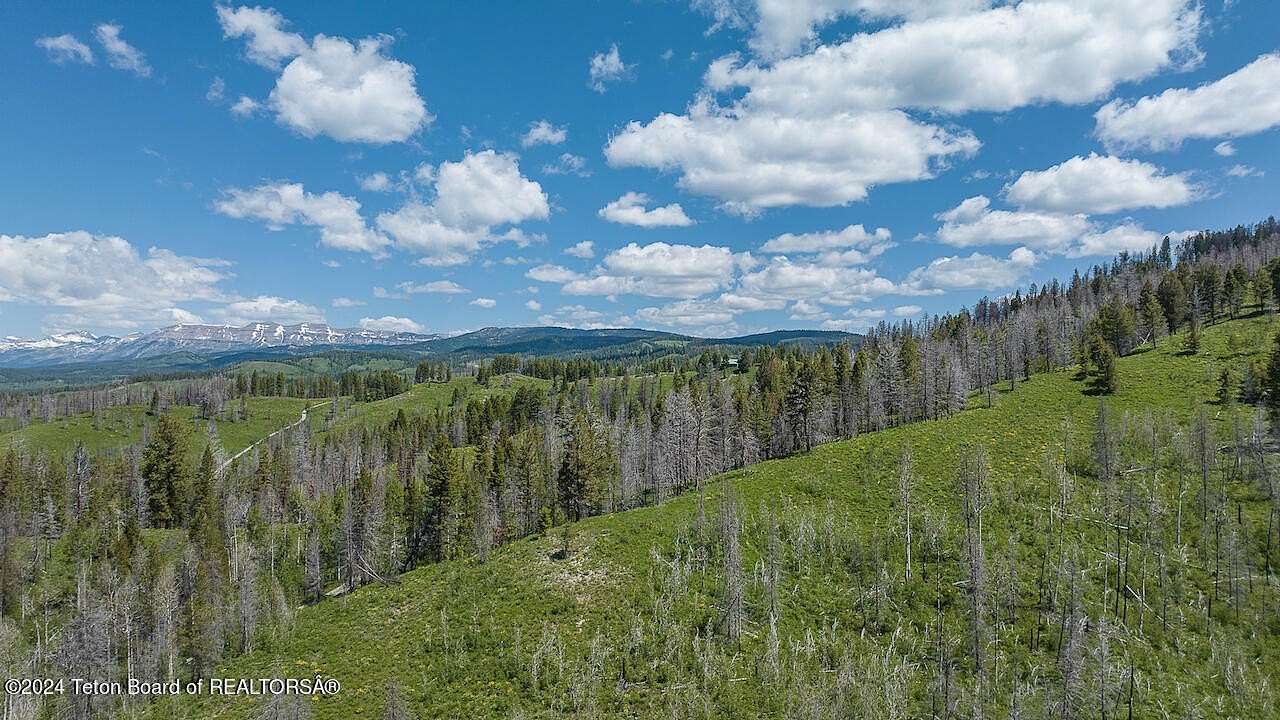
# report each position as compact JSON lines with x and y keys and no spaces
{"x":964,"y":530}
{"x":1060,"y":554}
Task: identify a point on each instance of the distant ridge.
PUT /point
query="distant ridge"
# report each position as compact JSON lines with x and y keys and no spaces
{"x":189,"y":344}
{"x":79,"y":347}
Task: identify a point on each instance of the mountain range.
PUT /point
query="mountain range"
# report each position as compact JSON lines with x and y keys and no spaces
{"x":80,"y":346}
{"x":189,"y":346}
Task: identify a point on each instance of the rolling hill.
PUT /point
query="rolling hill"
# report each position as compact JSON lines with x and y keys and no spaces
{"x":54,"y":364}
{"x":621,"y":615}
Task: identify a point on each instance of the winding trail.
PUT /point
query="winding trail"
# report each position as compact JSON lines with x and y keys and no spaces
{"x":258,"y":442}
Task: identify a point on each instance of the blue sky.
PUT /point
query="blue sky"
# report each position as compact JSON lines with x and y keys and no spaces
{"x":715,"y":167}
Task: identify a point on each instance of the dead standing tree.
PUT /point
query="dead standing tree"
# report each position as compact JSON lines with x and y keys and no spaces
{"x":734,"y":586}
{"x":974,"y":476}
{"x":906,"y":479}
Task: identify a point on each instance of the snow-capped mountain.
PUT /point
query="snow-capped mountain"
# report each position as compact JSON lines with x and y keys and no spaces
{"x":53,"y":341}
{"x":86,"y":347}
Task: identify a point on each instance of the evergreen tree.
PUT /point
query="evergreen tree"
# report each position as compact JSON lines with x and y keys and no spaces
{"x":1150,"y":312}
{"x":1115,"y":323}
{"x":1233,"y":287}
{"x":800,"y":400}
{"x":1226,"y":387}
{"x":1208,"y":281}
{"x":1191,"y":345}
{"x":1172,"y":295}
{"x":442,"y":481}
{"x":164,"y":468}
{"x":1271,"y":382}
{"x":1262,"y":287}
{"x":586,"y":469}
{"x":206,"y":514}
{"x":1102,"y":363}
{"x":1273,"y":273}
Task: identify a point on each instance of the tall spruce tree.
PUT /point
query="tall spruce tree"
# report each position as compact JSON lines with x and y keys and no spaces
{"x":165,"y":470}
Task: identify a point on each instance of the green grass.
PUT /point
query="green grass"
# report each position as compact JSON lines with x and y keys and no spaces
{"x":122,"y":426}
{"x":459,"y":637}
{"x":427,"y":397}
{"x":268,"y":367}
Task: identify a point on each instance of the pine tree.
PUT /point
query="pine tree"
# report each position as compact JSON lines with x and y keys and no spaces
{"x":585,"y":469}
{"x":1191,"y":344}
{"x":164,"y":468}
{"x":1226,"y":387}
{"x":1149,"y":311}
{"x":1102,"y":364}
{"x":1115,"y":323}
{"x":1273,"y":272}
{"x":1233,"y":287}
{"x":800,"y":400}
{"x":206,"y":513}
{"x":443,"y":477}
{"x":1271,"y":382}
{"x":1173,"y":300}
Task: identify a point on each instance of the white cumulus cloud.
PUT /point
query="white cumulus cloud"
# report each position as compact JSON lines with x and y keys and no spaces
{"x":975,"y":272}
{"x":283,"y":203}
{"x":543,"y":132}
{"x":390,"y":323}
{"x":552,"y":274}
{"x":435,"y":287}
{"x":576,"y":316}
{"x":606,"y":67}
{"x":268,"y":43}
{"x":997,"y":59}
{"x":1127,"y":237}
{"x":268,"y":308}
{"x":1242,"y":103}
{"x":784,"y":280}
{"x":705,"y":317}
{"x":473,"y":196}
{"x":782,"y":27}
{"x":630,"y":210}
{"x":661,"y":270}
{"x":245,"y":106}
{"x":973,"y":222}
{"x":820,"y":129}
{"x":584,"y":249}
{"x":754,"y":160}
{"x":349,"y":91}
{"x":104,"y":281}
{"x":376,"y":182}
{"x":1101,"y":184}
{"x":850,"y":246}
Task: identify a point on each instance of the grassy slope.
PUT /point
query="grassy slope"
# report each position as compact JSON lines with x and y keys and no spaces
{"x":426,"y":397}
{"x":122,"y":426}
{"x":458,"y":636}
